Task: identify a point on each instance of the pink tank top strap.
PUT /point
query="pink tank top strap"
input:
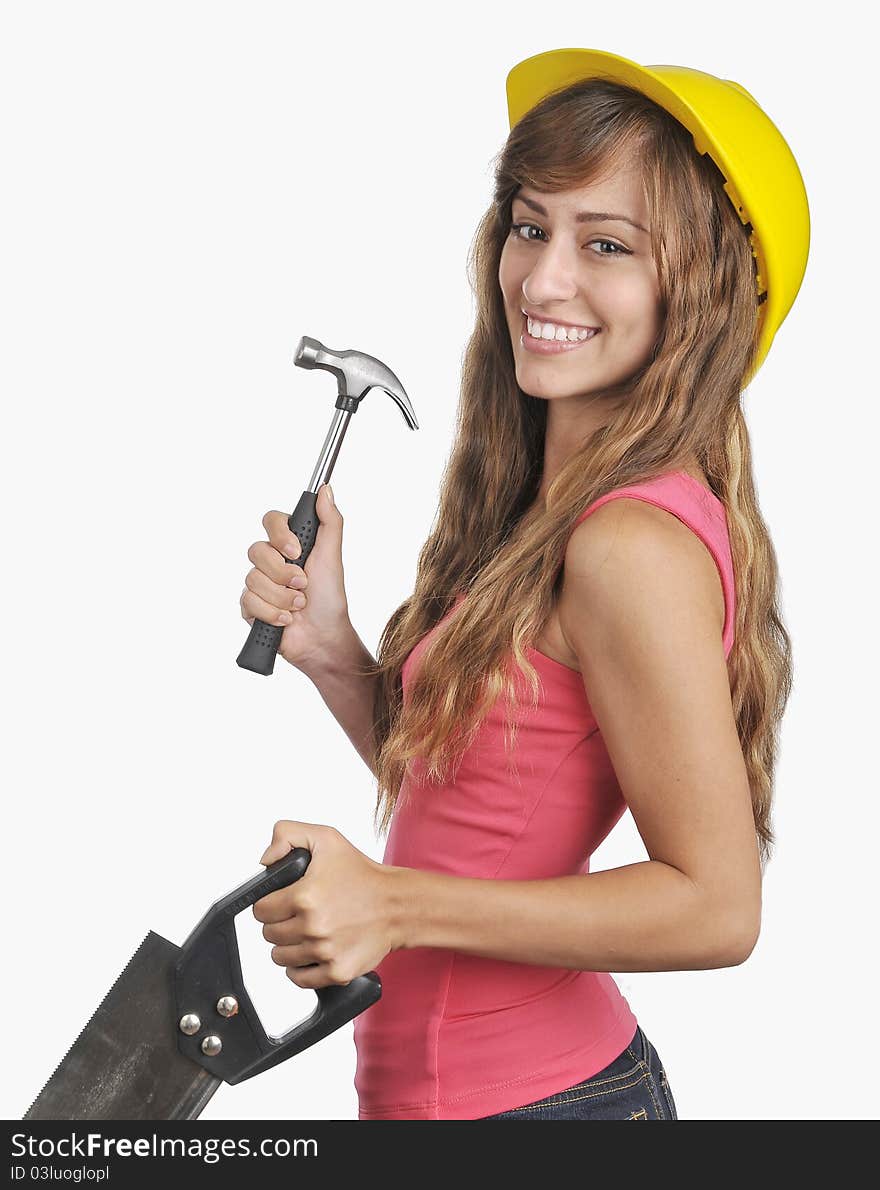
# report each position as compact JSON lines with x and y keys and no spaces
{"x":703,"y":513}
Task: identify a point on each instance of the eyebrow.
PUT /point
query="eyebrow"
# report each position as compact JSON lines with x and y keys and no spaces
{"x":584,"y":216}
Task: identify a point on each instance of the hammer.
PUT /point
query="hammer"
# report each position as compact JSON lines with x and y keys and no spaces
{"x":356,"y":373}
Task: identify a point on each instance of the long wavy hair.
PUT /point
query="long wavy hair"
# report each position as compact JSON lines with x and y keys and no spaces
{"x":492,"y":540}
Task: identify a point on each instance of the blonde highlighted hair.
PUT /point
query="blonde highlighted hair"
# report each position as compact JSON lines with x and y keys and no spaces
{"x":491,"y":541}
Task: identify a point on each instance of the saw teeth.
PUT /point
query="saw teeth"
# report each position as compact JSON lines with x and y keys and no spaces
{"x":88,"y":1022}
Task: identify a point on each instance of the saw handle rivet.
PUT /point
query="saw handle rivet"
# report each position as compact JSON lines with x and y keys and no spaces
{"x":189,"y":1024}
{"x":227,"y":1006}
{"x":212,"y":1045}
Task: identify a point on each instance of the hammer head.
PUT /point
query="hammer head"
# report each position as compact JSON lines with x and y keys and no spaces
{"x":356,"y":373}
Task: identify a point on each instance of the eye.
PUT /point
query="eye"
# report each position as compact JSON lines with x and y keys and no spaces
{"x":619,"y":250}
{"x":515,"y":228}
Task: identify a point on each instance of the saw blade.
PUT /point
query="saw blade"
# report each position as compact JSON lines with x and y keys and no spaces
{"x":125,"y":1064}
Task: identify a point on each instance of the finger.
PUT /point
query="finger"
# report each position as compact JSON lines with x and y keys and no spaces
{"x":287,"y":834}
{"x":253,"y":607}
{"x":283,"y":599}
{"x":280,"y":536}
{"x":284,"y":933}
{"x":312,"y":976}
{"x":298,"y":955}
{"x":267,"y":560}
{"x":277,"y":907}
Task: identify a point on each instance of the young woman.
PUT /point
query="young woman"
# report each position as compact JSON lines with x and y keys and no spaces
{"x":594,"y":625}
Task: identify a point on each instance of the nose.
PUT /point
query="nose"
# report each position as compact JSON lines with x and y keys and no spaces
{"x":551,"y":279}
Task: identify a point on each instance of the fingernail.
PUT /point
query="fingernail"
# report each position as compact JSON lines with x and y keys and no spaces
{"x":292,"y":550}
{"x":330,"y":494}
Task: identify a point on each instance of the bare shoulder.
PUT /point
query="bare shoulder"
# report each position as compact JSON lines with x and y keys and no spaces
{"x":638,"y":609}
{"x":629,"y":548}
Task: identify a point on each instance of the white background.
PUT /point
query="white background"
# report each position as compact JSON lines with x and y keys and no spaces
{"x":191,"y":187}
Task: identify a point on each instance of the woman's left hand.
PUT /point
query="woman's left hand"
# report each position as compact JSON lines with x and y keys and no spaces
{"x":338,"y":915}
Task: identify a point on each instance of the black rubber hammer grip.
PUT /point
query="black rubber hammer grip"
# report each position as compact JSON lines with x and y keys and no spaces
{"x":261,"y":646}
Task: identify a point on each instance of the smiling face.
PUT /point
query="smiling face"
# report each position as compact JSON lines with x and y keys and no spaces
{"x":583,"y":273}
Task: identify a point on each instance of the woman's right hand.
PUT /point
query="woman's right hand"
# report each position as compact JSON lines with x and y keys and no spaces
{"x":313,"y":599}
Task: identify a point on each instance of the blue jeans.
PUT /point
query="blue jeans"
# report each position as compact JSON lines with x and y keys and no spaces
{"x":632,"y":1087}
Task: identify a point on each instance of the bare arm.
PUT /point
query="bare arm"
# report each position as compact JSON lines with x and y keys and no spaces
{"x":643,"y":917}
{"x":348,"y":689}
{"x":639,"y":608}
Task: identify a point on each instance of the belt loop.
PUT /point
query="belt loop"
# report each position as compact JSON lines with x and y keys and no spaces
{"x":643,"y":1041}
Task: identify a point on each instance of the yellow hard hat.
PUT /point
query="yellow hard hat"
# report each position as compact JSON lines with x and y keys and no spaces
{"x":762,"y":178}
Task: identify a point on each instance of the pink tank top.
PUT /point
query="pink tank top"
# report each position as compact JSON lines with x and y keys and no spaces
{"x":458,"y":1036}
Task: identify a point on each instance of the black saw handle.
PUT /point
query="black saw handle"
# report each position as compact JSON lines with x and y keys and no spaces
{"x":209,"y":968}
{"x":261,"y":647}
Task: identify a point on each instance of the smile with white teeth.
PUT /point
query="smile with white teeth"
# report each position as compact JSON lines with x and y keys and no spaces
{"x":549,"y":330}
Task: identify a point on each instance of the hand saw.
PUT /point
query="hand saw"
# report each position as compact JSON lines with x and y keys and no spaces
{"x":178,"y":1022}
